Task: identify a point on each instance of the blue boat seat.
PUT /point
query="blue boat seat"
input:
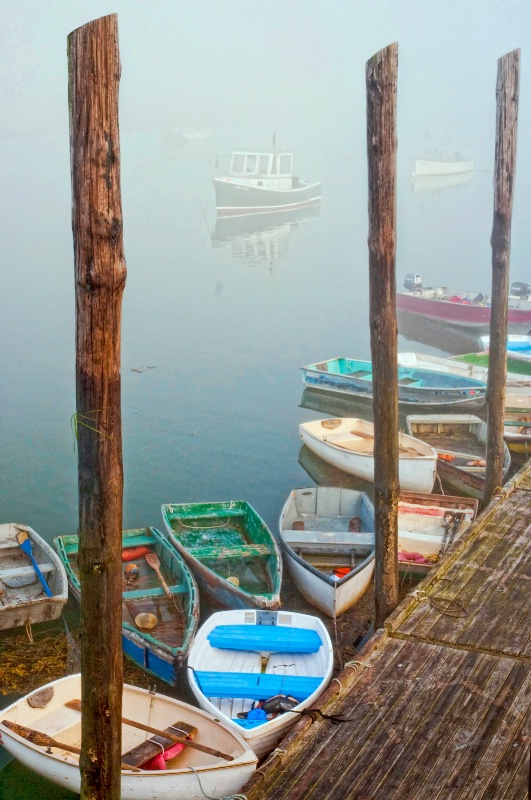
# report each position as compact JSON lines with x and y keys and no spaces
{"x":255,"y":685}
{"x":272,"y":638}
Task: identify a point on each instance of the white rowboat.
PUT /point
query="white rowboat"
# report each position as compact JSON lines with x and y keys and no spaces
{"x":23,"y":599}
{"x":241,"y":657}
{"x":190,"y":774}
{"x":348,"y":444}
{"x":328,"y":538}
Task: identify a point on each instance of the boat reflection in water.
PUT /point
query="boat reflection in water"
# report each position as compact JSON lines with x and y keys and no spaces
{"x":434,"y":184}
{"x":448,"y":338}
{"x":324,"y":474}
{"x":261,"y":238}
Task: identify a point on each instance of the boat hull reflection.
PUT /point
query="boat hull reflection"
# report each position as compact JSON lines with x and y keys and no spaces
{"x":260,"y":238}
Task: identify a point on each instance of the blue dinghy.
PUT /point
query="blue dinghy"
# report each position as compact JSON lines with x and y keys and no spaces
{"x":416,"y":387}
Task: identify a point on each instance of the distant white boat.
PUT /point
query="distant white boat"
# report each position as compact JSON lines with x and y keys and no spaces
{"x":190,"y":134}
{"x":348,"y":444}
{"x":442,"y":166}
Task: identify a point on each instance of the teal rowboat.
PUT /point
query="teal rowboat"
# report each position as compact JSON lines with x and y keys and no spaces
{"x":172,"y":612}
{"x":230,"y":550}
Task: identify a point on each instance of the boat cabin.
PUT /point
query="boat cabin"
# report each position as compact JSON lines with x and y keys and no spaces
{"x":272,"y":169}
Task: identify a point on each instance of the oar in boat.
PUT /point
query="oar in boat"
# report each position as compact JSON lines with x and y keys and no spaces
{"x":43,"y":740}
{"x":25,"y":545}
{"x":154,"y":562}
{"x":179,"y":739}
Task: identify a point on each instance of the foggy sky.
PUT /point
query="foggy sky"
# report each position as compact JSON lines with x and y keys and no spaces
{"x":228,"y":62}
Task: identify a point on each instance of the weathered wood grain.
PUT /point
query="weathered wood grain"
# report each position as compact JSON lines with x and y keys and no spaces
{"x":381,"y":72}
{"x":507,"y":96}
{"x":93,"y":78}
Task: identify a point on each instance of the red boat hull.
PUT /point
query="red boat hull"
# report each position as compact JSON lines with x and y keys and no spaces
{"x":464,"y":314}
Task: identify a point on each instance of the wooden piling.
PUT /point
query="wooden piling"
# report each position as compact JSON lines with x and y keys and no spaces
{"x":381,"y":83}
{"x":100,"y":273}
{"x":507,"y":91}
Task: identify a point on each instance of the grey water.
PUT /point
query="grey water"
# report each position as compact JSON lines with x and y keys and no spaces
{"x":217,"y":319}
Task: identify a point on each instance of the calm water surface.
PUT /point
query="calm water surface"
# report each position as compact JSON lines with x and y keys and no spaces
{"x":217,"y":319}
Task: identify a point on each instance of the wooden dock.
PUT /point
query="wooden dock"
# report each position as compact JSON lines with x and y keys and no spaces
{"x":437,"y":705}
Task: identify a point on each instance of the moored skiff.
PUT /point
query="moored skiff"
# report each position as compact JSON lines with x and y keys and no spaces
{"x":152,"y":766}
{"x":241,"y":659}
{"x":328,"y":538}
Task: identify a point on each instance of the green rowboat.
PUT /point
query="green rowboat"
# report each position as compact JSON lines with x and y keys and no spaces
{"x":230,"y":550}
{"x":171,"y":612}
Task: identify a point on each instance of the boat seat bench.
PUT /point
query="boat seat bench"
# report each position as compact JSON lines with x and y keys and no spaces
{"x":272,"y":638}
{"x":256,"y":685}
{"x":240,"y":551}
{"x":150,"y":748}
{"x":27,"y":570}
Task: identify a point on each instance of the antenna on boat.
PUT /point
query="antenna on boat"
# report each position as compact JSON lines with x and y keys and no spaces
{"x":274,"y":141}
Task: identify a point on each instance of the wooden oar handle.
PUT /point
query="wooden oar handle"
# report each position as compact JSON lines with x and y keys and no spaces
{"x":43,"y":740}
{"x":158,"y":732}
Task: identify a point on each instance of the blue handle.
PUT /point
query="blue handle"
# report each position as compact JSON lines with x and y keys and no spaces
{"x":40,"y":576}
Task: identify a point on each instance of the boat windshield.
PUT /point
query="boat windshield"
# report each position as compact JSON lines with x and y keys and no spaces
{"x":279,"y":164}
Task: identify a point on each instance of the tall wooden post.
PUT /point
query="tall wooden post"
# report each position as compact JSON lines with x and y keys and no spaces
{"x":507,"y":89}
{"x":100,"y":273}
{"x":381,"y":81}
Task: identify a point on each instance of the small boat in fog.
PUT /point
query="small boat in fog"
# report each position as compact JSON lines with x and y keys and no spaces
{"x":416,"y":387}
{"x":261,"y":182}
{"x":231,"y":551}
{"x":328,"y":538}
{"x":460,"y":307}
{"x":442,"y":165}
{"x":457,"y":366}
{"x":461,"y":444}
{"x":348,"y":444}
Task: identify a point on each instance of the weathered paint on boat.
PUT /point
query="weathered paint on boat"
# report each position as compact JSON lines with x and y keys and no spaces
{"x":457,"y":366}
{"x":22,"y":597}
{"x":347,"y":443}
{"x":203,"y":657}
{"x":459,"y":307}
{"x":314,"y":527}
{"x":192,"y":774}
{"x":461,"y":443}
{"x":161,"y":651}
{"x":220,"y":539}
{"x":421,"y":527}
{"x":416,"y":387}
{"x":516,"y":368}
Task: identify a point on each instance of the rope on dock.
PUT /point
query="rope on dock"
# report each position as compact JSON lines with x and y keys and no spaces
{"x":277,"y":753}
{"x":444,"y":605}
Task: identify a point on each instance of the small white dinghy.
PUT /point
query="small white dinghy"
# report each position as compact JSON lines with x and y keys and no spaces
{"x":242,"y":658}
{"x":33,"y":583}
{"x":348,"y":444}
{"x":51,"y":714}
{"x":328,"y":538}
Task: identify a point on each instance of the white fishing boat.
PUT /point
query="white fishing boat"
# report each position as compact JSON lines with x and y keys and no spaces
{"x":328,"y":538}
{"x":262,"y":182}
{"x":240,"y":659}
{"x":428,"y":524}
{"x":33,"y":583}
{"x":461,"y":444}
{"x":43,"y":731}
{"x":518,"y":346}
{"x":348,"y":444}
